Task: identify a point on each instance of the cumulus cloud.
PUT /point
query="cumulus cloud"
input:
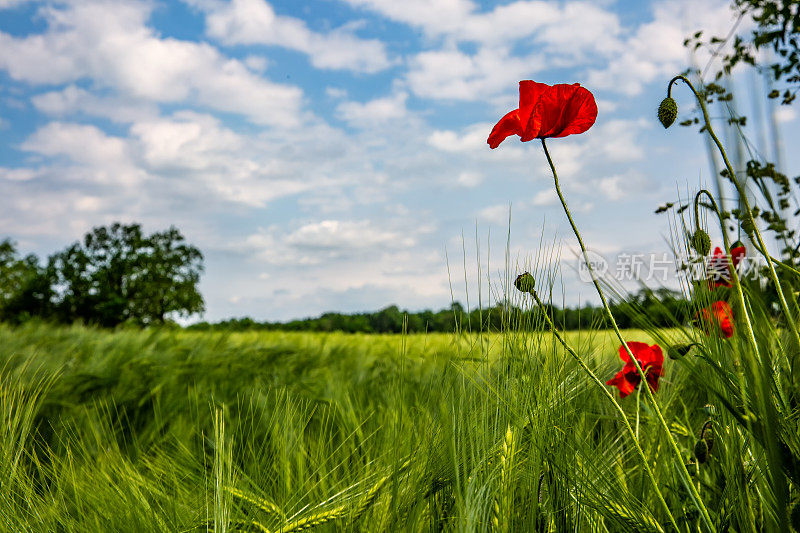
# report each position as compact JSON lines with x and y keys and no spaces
{"x":655,"y":49}
{"x":111,"y":44}
{"x":91,"y":154}
{"x":495,"y":214}
{"x":255,"y":22}
{"x":434,"y":16}
{"x":519,"y":39}
{"x":321,"y":242}
{"x":75,"y":100}
{"x":450,"y":74}
{"x":378,"y":110}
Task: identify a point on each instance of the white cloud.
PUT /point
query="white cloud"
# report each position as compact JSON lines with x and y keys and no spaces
{"x":450,"y":74}
{"x":470,"y":179}
{"x":541,"y":34}
{"x":186,"y":141}
{"x":544,"y":35}
{"x":321,"y":242}
{"x":785,"y":114}
{"x":335,"y":93}
{"x":472,"y":140}
{"x":612,"y":187}
{"x":348,"y":235}
{"x":434,"y":16}
{"x":256,"y":63}
{"x":378,"y":110}
{"x":8,"y":4}
{"x":109,"y":43}
{"x":197,"y":149}
{"x":255,"y":22}
{"x":495,"y":214}
{"x":655,"y":50}
{"x":545,"y":197}
{"x":618,"y":139}
{"x":96,"y":157}
{"x":18,"y":174}
{"x":623,"y":185}
{"x":72,"y":100}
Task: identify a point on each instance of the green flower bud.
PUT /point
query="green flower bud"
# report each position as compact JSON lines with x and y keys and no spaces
{"x":709,"y":410}
{"x":678,"y":351}
{"x":667,"y":112}
{"x":701,"y":451}
{"x":525,"y":282}
{"x":708,"y":436}
{"x":748,"y":226}
{"x":701,"y":242}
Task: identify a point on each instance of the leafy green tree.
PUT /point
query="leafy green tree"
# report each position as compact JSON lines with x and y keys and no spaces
{"x":24,"y":286}
{"x":168,"y":279}
{"x":118,"y":274}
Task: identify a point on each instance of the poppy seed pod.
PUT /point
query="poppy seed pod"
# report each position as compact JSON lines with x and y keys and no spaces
{"x":708,"y":436}
{"x":525,"y":282}
{"x":678,"y":351}
{"x":667,"y":112}
{"x":701,"y":451}
{"x":701,"y":242}
{"x":748,"y":226}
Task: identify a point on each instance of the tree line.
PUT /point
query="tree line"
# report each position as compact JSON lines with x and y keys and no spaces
{"x":116,"y":274}
{"x":660,"y":308}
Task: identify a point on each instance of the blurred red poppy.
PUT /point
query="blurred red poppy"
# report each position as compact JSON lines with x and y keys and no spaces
{"x":718,"y":315}
{"x":546,"y":111}
{"x":651,"y":360}
{"x":719,"y":266}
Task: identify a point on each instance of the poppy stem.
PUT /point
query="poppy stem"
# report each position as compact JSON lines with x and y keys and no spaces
{"x":634,"y":435}
{"x":681,"y":466}
{"x":743,"y":195}
{"x":734,"y":275}
{"x":772,"y":445}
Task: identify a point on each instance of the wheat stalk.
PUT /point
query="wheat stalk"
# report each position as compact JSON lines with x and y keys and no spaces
{"x":262,"y":503}
{"x":500,"y":506}
{"x":337,"y":513}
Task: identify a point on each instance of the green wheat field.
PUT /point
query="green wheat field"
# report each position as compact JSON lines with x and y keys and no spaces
{"x":164,"y":430}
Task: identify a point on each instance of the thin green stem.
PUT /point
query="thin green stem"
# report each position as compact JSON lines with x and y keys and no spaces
{"x":779,"y":482}
{"x":681,"y":466}
{"x":743,"y":195}
{"x":734,"y":275}
{"x":613,"y":400}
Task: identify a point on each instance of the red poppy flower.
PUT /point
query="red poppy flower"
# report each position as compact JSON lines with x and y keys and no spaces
{"x":719,"y":266}
{"x":718,"y":315}
{"x":651,"y":360}
{"x":546,"y":111}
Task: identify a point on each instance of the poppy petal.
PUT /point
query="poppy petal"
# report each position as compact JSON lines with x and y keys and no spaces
{"x":508,"y":125}
{"x":580,"y":113}
{"x":653,"y":356}
{"x":718,"y":315}
{"x":561,"y":111}
{"x":625,"y":387}
{"x":529,"y":94}
{"x":737,"y":253}
{"x":723,"y":315}
{"x":652,"y":380}
{"x":636,"y":347}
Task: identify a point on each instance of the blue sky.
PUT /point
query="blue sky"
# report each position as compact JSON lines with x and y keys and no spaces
{"x":324,"y":154}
